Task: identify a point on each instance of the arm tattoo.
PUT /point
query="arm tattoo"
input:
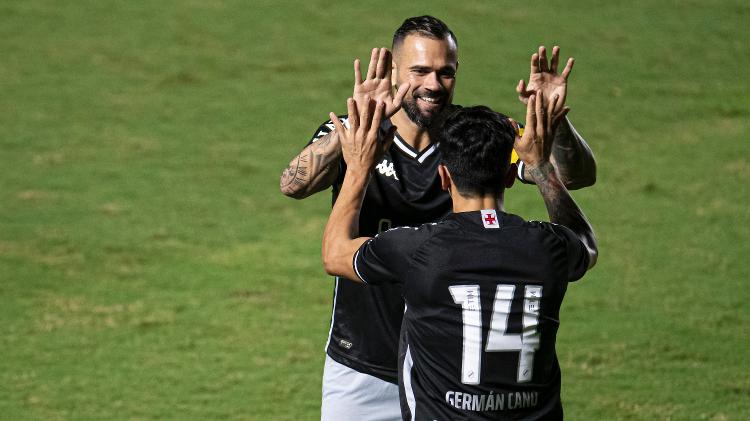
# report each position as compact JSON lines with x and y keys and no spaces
{"x":314,"y":169}
{"x":572,"y":157}
{"x":561,"y":207}
{"x":541,"y":173}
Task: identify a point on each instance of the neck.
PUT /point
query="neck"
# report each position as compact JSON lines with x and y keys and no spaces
{"x":417,"y":137}
{"x":475,"y":203}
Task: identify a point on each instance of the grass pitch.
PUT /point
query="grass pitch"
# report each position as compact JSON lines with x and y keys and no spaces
{"x":150,"y":268}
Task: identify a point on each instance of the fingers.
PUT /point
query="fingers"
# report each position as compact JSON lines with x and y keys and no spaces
{"x":554,"y":108}
{"x":555,"y":59}
{"x":554,"y":105}
{"x":377,"y":118}
{"x":382,"y":63}
{"x":543,"y":66}
{"x":534,"y":63}
{"x":337,"y":123}
{"x":351,"y":108}
{"x":568,"y":68}
{"x":364,"y":114}
{"x":400,"y":93}
{"x":523,"y":94}
{"x":357,"y":73}
{"x":540,"y":112}
{"x":371,"y":68}
{"x":516,"y":127}
{"x":530,"y":115}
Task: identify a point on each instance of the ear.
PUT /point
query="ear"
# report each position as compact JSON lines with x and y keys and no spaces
{"x":394,"y":71}
{"x":445,"y":177}
{"x":510,"y":176}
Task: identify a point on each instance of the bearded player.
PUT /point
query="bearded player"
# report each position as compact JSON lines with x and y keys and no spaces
{"x":483,"y":288}
{"x":360,"y":374}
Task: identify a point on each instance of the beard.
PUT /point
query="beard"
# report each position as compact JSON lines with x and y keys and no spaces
{"x":415,"y":114}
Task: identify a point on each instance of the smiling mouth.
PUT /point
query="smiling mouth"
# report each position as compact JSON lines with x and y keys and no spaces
{"x":432,"y":101}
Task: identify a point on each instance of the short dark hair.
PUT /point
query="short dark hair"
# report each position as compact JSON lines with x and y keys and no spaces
{"x":426,"y":26}
{"x":476,"y":144}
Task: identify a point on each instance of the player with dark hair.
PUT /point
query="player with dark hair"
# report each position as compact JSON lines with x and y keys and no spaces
{"x":483,"y":288}
{"x":360,"y":369}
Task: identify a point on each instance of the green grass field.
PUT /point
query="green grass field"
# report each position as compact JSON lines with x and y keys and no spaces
{"x":151,"y":269}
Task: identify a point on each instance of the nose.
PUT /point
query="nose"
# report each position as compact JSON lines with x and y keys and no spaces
{"x":432,"y":82}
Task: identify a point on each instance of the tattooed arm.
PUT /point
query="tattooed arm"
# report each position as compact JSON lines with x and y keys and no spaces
{"x":314,"y":169}
{"x":572,"y":157}
{"x":562,"y":209}
{"x":570,"y":153}
{"x":534,"y":149}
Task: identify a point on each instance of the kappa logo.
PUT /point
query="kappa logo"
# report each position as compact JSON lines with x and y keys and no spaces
{"x":386,"y":168}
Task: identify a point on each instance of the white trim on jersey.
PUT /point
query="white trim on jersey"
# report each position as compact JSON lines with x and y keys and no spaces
{"x":356,"y":269}
{"x":397,"y":140}
{"x":406,"y":373}
{"x":520,"y":171}
{"x":428,"y":152}
{"x":333,"y":314}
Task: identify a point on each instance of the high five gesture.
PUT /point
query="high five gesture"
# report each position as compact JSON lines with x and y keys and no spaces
{"x":360,"y":142}
{"x":377,"y":82}
{"x":543,"y":77}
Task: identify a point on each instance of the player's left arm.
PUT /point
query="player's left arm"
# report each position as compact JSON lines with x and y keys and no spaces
{"x":534,"y":149}
{"x":361,"y":149}
{"x":570,"y":154}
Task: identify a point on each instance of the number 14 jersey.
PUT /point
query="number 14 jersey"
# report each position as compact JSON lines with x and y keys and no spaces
{"x":483,"y":291}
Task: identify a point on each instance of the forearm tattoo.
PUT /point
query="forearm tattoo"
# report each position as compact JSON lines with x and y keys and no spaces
{"x":572,"y":157}
{"x":540,"y":173}
{"x":313,"y":170}
{"x":561,"y":207}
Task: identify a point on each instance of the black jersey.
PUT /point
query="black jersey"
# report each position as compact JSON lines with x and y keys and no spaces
{"x":483,"y":291}
{"x":404,"y":190}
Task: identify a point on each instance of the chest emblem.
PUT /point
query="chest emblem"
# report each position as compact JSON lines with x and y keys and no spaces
{"x":386,"y":168}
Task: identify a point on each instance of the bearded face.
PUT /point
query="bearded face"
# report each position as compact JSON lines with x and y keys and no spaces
{"x":423,"y":106}
{"x":429,"y":65}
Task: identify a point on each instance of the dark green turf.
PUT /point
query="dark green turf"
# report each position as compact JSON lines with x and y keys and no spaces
{"x":150,"y":268}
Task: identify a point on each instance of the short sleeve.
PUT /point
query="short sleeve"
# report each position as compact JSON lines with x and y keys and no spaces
{"x":571,"y":254}
{"x":325,"y":128}
{"x":385,"y":257}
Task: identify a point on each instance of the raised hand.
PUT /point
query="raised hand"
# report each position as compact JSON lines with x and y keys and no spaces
{"x":543,"y":78}
{"x":535,"y":146}
{"x":377,"y":82}
{"x":359,"y":142}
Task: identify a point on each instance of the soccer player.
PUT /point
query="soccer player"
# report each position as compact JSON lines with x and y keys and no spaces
{"x":483,"y":288}
{"x":360,"y":374}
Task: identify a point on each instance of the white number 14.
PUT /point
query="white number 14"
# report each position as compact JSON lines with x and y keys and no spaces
{"x":526,"y":342}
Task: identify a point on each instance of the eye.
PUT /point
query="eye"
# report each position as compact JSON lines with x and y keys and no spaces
{"x":448,"y":74}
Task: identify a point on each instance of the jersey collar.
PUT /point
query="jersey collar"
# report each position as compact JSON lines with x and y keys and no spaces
{"x":420,"y":156}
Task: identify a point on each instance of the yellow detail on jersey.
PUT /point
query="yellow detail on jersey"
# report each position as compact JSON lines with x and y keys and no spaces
{"x":513,"y":154}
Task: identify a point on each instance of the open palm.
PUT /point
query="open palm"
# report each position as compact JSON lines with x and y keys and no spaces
{"x":377,"y":83}
{"x":544,"y":78}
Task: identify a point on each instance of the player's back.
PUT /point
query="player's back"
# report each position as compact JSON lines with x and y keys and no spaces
{"x":483,"y":292}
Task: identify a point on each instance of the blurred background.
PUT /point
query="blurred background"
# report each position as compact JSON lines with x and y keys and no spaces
{"x":151,"y":269}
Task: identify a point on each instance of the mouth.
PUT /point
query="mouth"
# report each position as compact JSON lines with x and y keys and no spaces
{"x":430,"y":101}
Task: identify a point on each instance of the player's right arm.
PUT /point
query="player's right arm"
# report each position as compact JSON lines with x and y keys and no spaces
{"x":318,"y":165}
{"x":314,"y":169}
{"x":534,"y":149}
